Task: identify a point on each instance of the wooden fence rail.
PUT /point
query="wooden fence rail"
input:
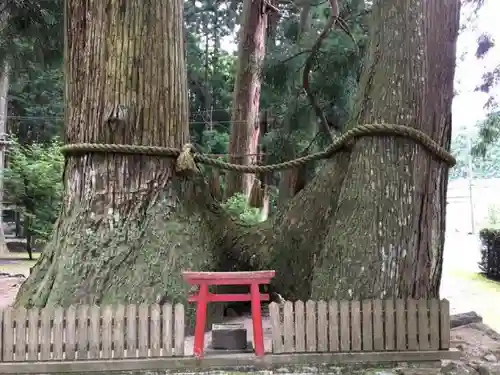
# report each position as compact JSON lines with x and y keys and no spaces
{"x":360,"y":326}
{"x":92,"y":332}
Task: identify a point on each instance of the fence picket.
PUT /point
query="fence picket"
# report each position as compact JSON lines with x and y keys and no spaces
{"x":300,"y":324}
{"x":333,"y":326}
{"x":288,"y":328}
{"x":179,"y":328}
{"x":378,"y":326}
{"x":321,"y":326}
{"x":355,"y":326}
{"x":131,"y":331}
{"x":345,"y":324}
{"x":167,"y":338}
{"x":70,"y":342}
{"x":143,"y":330}
{"x":434,"y":324}
{"x":400,"y":324}
{"x":444,"y":324}
{"x":411,"y":324}
{"x":423,"y":325}
{"x":58,"y":334}
{"x":389,"y":325}
{"x":20,"y":334}
{"x":107,"y":332}
{"x":33,"y":318}
{"x":45,"y":334}
{"x":95,"y":332}
{"x":274,"y":315}
{"x":119,"y":332}
{"x":82,"y":313}
{"x":155,"y":329}
{"x":311,"y":326}
{"x":8,"y":335}
{"x":367,"y":326}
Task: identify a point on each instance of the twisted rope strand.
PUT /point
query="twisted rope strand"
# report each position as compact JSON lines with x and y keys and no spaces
{"x":343,"y":142}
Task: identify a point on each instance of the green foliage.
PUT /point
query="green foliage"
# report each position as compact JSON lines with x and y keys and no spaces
{"x":490,"y":253}
{"x":489,"y":135}
{"x":237,"y":206}
{"x":33,"y":181}
{"x":485,"y":165}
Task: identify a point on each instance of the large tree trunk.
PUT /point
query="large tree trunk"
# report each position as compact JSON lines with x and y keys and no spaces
{"x":245,"y":112}
{"x":370,"y":224}
{"x":387,"y":238}
{"x":123,"y":234}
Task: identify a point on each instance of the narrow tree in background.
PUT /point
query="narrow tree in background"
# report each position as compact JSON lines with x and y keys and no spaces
{"x":245,"y":112}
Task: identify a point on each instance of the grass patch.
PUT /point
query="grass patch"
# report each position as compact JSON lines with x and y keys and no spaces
{"x":480,"y":281}
{"x":17,"y":263}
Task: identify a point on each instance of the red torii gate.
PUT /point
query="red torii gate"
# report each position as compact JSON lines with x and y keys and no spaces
{"x":203,"y":297}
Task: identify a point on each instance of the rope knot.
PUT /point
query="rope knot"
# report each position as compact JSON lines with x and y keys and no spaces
{"x":185,"y":161}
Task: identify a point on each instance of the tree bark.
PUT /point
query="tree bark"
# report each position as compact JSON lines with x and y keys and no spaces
{"x":122,"y":234}
{"x":388,"y":234}
{"x":245,"y":112}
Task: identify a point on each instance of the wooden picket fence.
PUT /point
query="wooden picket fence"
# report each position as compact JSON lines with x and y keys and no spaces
{"x":360,"y":326}
{"x":92,"y":332}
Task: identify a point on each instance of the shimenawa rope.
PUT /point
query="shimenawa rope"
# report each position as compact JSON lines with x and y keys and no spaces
{"x":186,"y":158}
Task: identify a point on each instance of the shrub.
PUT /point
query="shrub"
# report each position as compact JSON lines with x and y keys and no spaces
{"x":490,"y":246}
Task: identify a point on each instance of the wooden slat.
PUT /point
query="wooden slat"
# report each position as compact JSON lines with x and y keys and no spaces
{"x":288,"y":328}
{"x":411,"y":324}
{"x":367,"y":328}
{"x":274,"y":315}
{"x":143,"y":330}
{"x":389,"y":325}
{"x":20,"y":333}
{"x":355,"y":326}
{"x":179,"y":328}
{"x":58,"y":334}
{"x":300,"y":327}
{"x":1,"y":335}
{"x":434,"y":323}
{"x":423,"y":325}
{"x":378,"y":325}
{"x":8,"y":335}
{"x":131,"y":313}
{"x":333,"y":326}
{"x":82,"y":314}
{"x":45,"y":333}
{"x":322,"y":326}
{"x":444,"y":324}
{"x":33,"y":319}
{"x":94,"y":331}
{"x":345,"y":324}
{"x":311,"y":326}
{"x":167,"y":338}
{"x":107,"y":332}
{"x":400,"y":324}
{"x":70,"y":342}
{"x":155,"y":330}
{"x":119,"y":332}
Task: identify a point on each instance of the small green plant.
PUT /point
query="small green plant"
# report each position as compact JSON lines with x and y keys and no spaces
{"x":237,"y":206}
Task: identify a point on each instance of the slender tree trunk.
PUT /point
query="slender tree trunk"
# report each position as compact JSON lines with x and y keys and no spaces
{"x":122,"y":234}
{"x":4,"y":91}
{"x":245,"y":113}
{"x":387,"y":238}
